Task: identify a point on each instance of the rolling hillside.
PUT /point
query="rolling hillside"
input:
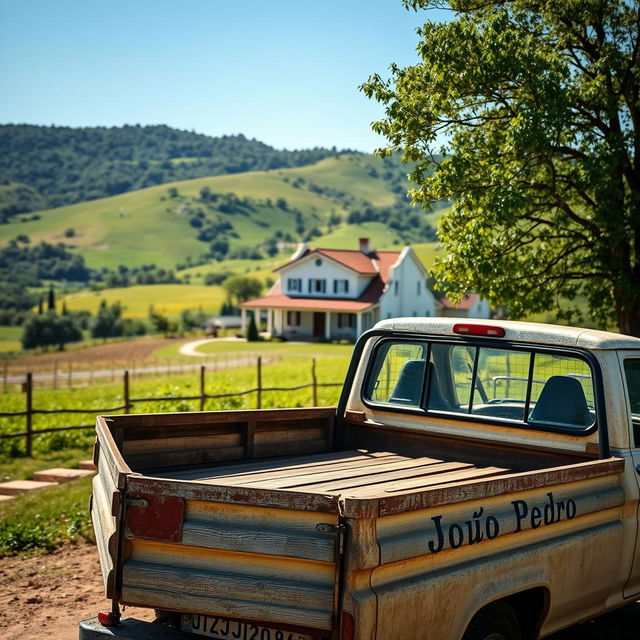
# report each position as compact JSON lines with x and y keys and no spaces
{"x":65,"y":165}
{"x":161,"y":224}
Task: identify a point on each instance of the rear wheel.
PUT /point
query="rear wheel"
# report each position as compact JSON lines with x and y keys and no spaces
{"x":496,"y":621}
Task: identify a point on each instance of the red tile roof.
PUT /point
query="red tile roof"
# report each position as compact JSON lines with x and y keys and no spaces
{"x":371,"y":263}
{"x":277,"y":300}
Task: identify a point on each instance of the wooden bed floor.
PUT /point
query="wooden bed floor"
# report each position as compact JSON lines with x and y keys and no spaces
{"x":356,"y":473}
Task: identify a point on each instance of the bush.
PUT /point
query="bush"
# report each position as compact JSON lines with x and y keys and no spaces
{"x":252,"y":331}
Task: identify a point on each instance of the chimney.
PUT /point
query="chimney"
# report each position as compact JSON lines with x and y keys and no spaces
{"x":364,"y":245}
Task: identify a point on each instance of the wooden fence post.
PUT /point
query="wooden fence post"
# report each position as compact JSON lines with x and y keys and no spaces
{"x":69,"y":375}
{"x":314,"y":382}
{"x":259,"y":389}
{"x":55,"y":374}
{"x":5,"y":373}
{"x":202,"y":398}
{"x":126,"y":391}
{"x":28,"y":388}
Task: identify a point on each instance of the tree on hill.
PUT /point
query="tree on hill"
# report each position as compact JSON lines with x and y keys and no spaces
{"x":242,"y":288}
{"x":49,"y":330}
{"x":108,"y":321}
{"x":51,"y":300}
{"x":543,"y":131}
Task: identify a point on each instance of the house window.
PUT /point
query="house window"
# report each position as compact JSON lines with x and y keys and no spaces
{"x":341,"y":286}
{"x":427,"y":313}
{"x":346,"y":320}
{"x":395,"y":287}
{"x":294,"y":284}
{"x":419,"y":287}
{"x":318,"y":262}
{"x":293,"y":318}
{"x":317,"y":285}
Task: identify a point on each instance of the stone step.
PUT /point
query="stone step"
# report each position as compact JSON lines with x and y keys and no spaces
{"x":2,"y":498}
{"x":87,"y":464}
{"x":61,"y":475}
{"x":16,"y":487}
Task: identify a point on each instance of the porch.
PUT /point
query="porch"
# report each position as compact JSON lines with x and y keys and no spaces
{"x":306,"y":324}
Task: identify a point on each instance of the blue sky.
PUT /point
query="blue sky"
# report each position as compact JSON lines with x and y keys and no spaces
{"x":283,"y":72}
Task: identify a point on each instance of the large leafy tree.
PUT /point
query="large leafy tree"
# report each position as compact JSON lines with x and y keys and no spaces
{"x":539,"y":106}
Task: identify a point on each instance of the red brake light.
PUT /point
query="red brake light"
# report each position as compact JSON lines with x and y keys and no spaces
{"x":479,"y":330}
{"x":348,"y":626}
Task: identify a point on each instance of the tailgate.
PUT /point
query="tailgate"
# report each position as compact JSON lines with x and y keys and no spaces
{"x":249,"y":554}
{"x":106,"y":503}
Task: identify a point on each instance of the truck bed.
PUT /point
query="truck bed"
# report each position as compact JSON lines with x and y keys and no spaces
{"x":354,"y":473}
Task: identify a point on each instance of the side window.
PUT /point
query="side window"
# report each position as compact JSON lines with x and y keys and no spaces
{"x":397,"y":374}
{"x":632,"y":377}
{"x":562,"y":392}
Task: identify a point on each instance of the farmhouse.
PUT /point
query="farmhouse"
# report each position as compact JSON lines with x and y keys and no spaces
{"x":335,"y":294}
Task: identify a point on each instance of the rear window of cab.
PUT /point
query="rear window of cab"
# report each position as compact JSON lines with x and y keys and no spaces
{"x":538,"y":388}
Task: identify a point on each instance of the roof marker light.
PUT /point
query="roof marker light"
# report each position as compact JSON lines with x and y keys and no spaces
{"x":479,"y":330}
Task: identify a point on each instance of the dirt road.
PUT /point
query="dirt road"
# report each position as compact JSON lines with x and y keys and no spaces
{"x":46,"y":597}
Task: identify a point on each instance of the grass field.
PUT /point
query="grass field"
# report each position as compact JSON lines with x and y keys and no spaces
{"x":10,"y":339}
{"x":287,"y":371}
{"x":310,"y":349}
{"x":167,"y":298}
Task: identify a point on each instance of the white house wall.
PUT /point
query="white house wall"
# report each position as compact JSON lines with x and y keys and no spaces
{"x":329,"y":270}
{"x":407,"y":293}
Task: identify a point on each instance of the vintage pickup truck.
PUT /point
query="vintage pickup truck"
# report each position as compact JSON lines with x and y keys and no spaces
{"x":477,"y":481}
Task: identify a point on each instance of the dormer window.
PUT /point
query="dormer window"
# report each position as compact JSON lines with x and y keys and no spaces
{"x":294,"y":285}
{"x":341,"y":286}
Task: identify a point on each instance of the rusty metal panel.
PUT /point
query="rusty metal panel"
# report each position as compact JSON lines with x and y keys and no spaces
{"x":464,"y":491}
{"x":268,"y":564}
{"x":155,"y":517}
{"x":193,"y":490}
{"x":565,"y":539}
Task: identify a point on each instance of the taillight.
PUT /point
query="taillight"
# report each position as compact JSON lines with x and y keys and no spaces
{"x":347,"y":626}
{"x":479,"y":330}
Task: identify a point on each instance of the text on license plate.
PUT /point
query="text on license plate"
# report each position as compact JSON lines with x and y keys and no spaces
{"x":214,"y":627}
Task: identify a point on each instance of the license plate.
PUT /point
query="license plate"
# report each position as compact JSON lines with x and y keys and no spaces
{"x":224,"y":629}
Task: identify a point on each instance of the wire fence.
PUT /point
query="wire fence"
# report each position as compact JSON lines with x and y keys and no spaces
{"x":130,"y":402}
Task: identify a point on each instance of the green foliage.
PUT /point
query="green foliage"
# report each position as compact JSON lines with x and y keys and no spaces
{"x":252,"y":330}
{"x":61,"y":165}
{"x":162,"y":323}
{"x":49,"y":330}
{"x":18,"y":198}
{"x":538,"y":104}
{"x":29,"y":265}
{"x":108,"y":321}
{"x":45,"y":520}
{"x":242,"y":288}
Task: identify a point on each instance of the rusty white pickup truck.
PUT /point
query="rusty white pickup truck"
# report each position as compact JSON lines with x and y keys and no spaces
{"x":477,"y":481}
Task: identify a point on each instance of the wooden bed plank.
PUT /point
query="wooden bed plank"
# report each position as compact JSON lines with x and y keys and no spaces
{"x":337,"y":486}
{"x":273,"y":465}
{"x":426,"y":482}
{"x":316,"y":473}
{"x":364,"y":471}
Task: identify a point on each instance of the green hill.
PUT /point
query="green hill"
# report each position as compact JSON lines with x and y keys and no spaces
{"x":181,"y":223}
{"x":65,"y":165}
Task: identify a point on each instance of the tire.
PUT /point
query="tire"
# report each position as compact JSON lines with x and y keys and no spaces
{"x":496,"y":621}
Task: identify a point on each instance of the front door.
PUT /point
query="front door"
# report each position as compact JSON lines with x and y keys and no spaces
{"x":319,"y":319}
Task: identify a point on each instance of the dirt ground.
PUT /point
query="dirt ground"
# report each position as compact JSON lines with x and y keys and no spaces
{"x":57,"y":591}
{"x":137,"y":350}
